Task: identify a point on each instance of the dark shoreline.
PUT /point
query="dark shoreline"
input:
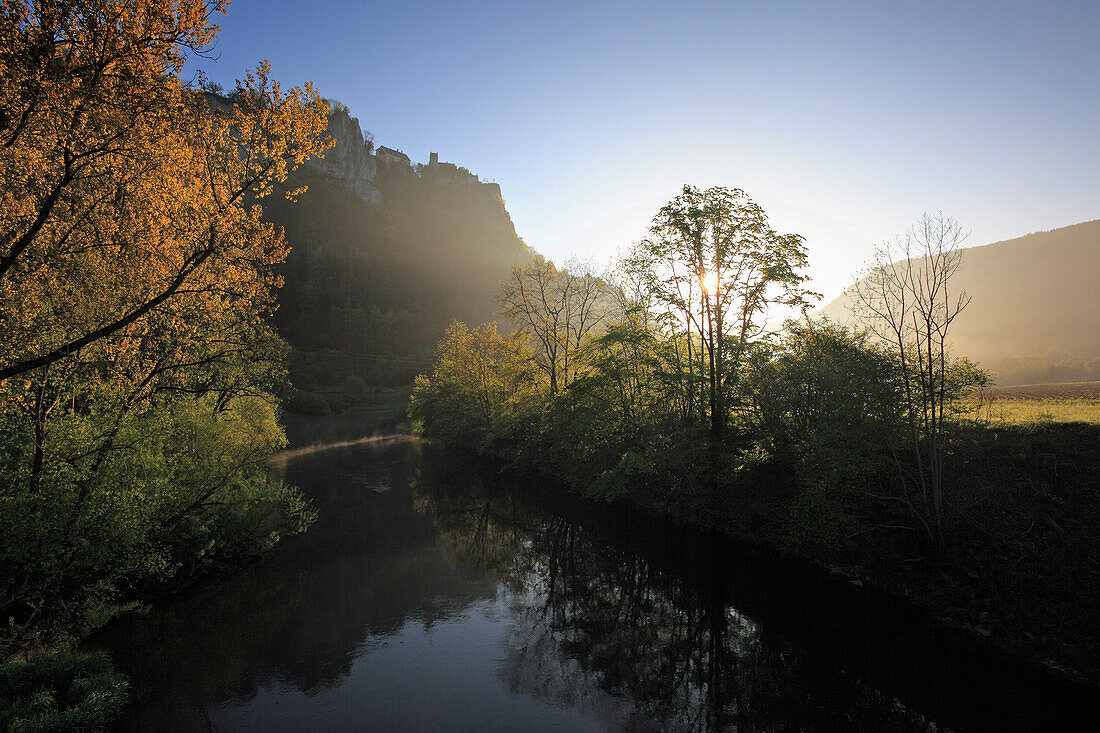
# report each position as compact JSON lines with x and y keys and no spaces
{"x":857,"y":577}
{"x":902,"y":644}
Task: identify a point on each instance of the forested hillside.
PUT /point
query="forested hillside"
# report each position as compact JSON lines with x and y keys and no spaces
{"x":1034,"y":315}
{"x":370,"y":289}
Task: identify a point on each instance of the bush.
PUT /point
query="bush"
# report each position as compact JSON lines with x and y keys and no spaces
{"x":187,"y":491}
{"x":307,"y":403}
{"x":60,"y":691}
{"x":355,"y":392}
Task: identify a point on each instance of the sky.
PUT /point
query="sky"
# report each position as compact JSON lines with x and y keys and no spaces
{"x":845,"y":121}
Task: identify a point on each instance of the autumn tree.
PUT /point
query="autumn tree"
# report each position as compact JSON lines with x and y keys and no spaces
{"x":128,"y":250}
{"x":135,"y":277}
{"x":121,"y":190}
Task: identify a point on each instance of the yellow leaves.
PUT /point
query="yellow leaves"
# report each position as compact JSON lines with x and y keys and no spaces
{"x":268,"y":134}
{"x":122,"y":198}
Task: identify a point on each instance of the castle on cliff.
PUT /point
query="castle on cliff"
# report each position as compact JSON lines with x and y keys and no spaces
{"x":354,"y":161}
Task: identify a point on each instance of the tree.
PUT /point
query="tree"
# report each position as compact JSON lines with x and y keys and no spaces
{"x":120,"y":189}
{"x":816,"y":379}
{"x":127,"y":253}
{"x":557,"y":309}
{"x":476,"y":374}
{"x":906,"y":299}
{"x":136,"y":275}
{"x":716,"y":265}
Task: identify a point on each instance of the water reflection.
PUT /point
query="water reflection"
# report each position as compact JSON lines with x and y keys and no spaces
{"x":667,"y":648}
{"x":435,"y":594}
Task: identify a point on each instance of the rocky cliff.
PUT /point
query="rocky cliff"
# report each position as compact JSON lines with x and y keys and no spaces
{"x":350,"y":160}
{"x":384,"y":256}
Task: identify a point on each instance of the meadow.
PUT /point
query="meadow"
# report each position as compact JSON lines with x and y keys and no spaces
{"x":1038,"y":403}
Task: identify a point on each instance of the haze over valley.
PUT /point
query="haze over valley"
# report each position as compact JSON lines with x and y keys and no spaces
{"x":549,"y":366}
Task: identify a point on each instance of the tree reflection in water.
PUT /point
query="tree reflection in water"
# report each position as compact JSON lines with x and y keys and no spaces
{"x":599,"y":626}
{"x":436,"y":588}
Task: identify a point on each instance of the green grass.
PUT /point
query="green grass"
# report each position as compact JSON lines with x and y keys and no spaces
{"x":60,"y":691}
{"x":1018,"y":413}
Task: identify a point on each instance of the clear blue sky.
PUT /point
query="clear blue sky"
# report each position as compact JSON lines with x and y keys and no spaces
{"x":844,"y":120}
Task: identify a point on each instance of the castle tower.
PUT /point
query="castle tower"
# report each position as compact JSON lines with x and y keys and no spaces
{"x":434,"y":159}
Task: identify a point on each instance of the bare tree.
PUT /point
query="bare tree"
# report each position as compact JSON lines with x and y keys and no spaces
{"x":584,"y":293}
{"x":907,"y":300}
{"x":556,"y":308}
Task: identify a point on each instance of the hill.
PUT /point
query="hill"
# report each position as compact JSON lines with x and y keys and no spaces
{"x":384,"y":255}
{"x":1034,"y":316}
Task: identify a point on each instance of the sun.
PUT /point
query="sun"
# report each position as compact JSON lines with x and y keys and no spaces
{"x":709,"y":281}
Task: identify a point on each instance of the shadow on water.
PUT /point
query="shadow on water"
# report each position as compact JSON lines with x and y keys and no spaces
{"x":434,"y":593}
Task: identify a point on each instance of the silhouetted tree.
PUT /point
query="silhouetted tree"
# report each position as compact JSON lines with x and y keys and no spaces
{"x":906,"y":298}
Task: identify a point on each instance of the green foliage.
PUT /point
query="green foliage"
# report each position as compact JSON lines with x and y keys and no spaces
{"x":355,"y":390}
{"x":710,"y":270}
{"x":825,"y":401}
{"x":819,"y":404}
{"x":830,"y":402}
{"x":307,"y":403}
{"x":184,"y":491}
{"x":479,"y":377}
{"x":819,"y":382}
{"x":632,"y":474}
{"x":60,"y":691}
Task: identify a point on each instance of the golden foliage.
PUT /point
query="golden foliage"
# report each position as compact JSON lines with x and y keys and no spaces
{"x":135,"y":276}
{"x":122,"y":195}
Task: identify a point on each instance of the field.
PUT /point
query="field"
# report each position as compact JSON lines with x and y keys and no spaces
{"x":1034,"y":403}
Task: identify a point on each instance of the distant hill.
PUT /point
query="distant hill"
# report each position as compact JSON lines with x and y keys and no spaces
{"x":1034,"y":316}
{"x":385,"y":254}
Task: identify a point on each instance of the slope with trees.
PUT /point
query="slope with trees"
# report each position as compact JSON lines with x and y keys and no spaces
{"x":1035,"y":315}
{"x":136,"y":274}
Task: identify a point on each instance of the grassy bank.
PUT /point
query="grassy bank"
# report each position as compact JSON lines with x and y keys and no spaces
{"x":60,"y":691}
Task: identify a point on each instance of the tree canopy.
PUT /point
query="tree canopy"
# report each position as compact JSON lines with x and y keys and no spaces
{"x":715,"y":266}
{"x":136,"y":275}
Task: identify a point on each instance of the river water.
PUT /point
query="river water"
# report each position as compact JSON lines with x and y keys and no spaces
{"x":436,"y":594}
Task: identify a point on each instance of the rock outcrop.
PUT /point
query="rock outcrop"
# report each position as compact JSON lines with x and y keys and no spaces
{"x":349,"y":160}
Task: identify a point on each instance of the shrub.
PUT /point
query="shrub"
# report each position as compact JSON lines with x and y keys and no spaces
{"x":60,"y":691}
{"x":307,"y":403}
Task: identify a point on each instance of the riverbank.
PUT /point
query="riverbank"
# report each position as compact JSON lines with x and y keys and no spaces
{"x":1024,"y":586}
{"x":486,"y":599}
{"x":1020,"y":572}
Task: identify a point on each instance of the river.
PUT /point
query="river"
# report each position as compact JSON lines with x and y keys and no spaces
{"x":435,"y":593}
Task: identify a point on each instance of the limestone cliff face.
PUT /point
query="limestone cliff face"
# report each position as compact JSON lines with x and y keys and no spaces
{"x":349,"y":160}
